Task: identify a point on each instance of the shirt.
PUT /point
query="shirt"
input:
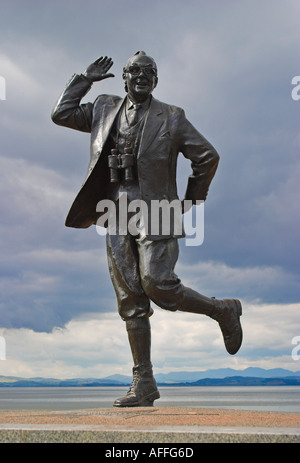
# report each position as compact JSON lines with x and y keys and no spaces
{"x":125,"y":136}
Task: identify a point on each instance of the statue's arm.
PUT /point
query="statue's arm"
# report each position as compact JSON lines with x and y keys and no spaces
{"x":68,"y":111}
{"x":204,"y":160}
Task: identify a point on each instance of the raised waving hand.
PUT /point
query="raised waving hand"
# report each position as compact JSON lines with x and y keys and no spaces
{"x":98,"y":70}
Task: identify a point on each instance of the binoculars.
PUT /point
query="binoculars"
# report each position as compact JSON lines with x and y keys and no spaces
{"x":121,"y":165}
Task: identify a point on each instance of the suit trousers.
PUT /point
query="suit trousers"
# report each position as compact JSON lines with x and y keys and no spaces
{"x":142,"y":271}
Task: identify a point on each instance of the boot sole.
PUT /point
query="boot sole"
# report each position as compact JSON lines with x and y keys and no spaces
{"x":148,"y":401}
{"x":145,"y":402}
{"x":239,"y":314}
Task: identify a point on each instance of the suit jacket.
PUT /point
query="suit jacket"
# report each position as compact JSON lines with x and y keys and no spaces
{"x":166,"y":133}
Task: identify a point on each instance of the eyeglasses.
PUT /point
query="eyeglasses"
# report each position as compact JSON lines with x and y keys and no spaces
{"x":147,"y":70}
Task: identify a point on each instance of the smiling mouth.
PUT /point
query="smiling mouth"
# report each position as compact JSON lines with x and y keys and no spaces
{"x":141,"y":83}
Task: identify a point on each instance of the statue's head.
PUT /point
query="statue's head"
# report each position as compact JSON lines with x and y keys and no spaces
{"x":140,"y":76}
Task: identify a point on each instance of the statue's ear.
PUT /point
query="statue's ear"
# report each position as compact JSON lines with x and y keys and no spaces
{"x":124,"y":79}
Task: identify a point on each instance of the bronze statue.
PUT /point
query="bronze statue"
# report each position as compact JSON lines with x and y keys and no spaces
{"x":135,"y":142}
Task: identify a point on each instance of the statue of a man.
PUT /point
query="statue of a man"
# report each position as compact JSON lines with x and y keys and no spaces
{"x":150,"y":134}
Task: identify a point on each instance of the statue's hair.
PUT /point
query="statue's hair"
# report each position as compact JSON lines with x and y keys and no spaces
{"x":140,"y":53}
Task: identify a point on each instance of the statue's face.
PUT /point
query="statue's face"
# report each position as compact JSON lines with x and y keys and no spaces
{"x":140,"y":77}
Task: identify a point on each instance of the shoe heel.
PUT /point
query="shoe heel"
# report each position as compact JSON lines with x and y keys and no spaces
{"x":148,"y":401}
{"x":239,"y":307}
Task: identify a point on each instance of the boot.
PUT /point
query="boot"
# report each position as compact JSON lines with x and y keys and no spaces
{"x":226,"y":312}
{"x":143,"y":389}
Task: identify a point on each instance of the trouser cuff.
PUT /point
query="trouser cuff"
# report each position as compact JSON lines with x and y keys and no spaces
{"x":138,"y":324}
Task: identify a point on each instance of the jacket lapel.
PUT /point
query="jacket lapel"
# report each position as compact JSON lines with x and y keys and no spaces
{"x":152,"y":124}
{"x":108,"y":115}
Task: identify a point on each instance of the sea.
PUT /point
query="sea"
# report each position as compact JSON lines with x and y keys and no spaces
{"x":254,"y":398}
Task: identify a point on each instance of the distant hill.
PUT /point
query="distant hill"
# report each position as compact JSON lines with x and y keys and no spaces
{"x":192,"y":376}
{"x":11,"y":381}
{"x":220,"y":377}
{"x":242,"y":381}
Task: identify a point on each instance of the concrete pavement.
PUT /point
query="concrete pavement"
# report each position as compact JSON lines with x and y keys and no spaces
{"x":148,"y":425}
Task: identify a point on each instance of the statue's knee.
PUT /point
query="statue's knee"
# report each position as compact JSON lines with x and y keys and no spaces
{"x":162,"y":295}
{"x":150,"y":287}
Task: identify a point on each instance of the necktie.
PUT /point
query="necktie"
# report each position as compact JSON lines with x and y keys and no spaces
{"x":133,"y":115}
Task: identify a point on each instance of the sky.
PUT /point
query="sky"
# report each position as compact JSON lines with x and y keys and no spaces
{"x":229,"y":64}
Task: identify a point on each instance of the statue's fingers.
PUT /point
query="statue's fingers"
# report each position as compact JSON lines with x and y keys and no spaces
{"x":108,"y":75}
{"x":108,"y":65}
{"x":98,"y":60}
